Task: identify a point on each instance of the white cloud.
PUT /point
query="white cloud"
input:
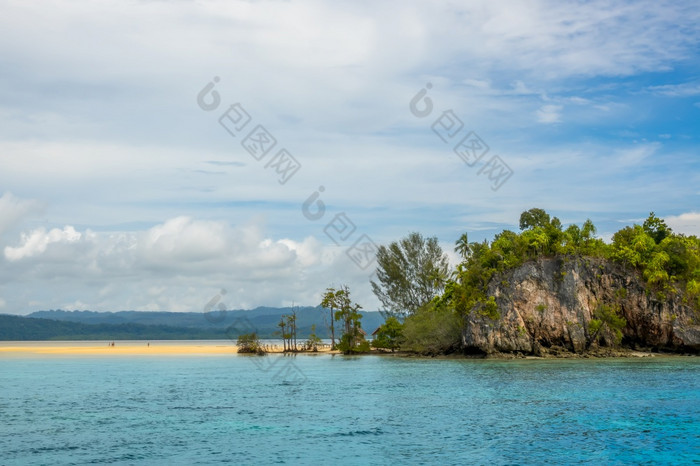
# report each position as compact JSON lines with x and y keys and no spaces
{"x":36,"y":242}
{"x":633,"y":156}
{"x":173,"y":266}
{"x":677,"y":90}
{"x":687,"y":223}
{"x":14,"y":209}
{"x":99,"y":122}
{"x":549,"y":114}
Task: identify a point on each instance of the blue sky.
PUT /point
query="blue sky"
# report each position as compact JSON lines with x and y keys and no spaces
{"x":120,"y":192}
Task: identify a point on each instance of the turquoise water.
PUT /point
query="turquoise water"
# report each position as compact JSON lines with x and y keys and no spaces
{"x":313,"y":409}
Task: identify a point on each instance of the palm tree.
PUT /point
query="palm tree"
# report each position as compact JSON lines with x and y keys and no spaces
{"x":462,"y":246}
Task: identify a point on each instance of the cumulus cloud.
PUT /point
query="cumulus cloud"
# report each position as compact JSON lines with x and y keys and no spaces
{"x":687,"y":223}
{"x":36,"y":242}
{"x":146,"y":195}
{"x":173,"y":266}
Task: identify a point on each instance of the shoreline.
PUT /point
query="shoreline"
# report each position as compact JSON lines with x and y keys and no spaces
{"x":222,"y":347}
{"x":130,"y":348}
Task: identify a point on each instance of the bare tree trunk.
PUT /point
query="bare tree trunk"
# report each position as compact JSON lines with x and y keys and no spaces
{"x":294,"y":329}
{"x":332,"y":331}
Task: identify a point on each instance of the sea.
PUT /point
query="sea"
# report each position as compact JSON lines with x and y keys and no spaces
{"x":334,"y":409}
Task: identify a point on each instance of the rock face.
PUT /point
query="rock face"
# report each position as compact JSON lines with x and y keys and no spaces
{"x":549,"y":303}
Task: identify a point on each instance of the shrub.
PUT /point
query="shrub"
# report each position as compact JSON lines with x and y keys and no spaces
{"x":390,"y":334}
{"x":249,"y":343}
{"x":432,"y":330}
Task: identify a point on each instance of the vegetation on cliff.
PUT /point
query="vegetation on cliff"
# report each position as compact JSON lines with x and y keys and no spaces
{"x":668,"y":265}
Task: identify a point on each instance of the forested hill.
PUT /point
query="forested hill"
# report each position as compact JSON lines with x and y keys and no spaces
{"x":19,"y":328}
{"x":142,"y":325}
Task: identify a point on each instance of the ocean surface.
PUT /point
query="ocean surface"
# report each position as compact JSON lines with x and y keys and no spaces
{"x":326,"y":409}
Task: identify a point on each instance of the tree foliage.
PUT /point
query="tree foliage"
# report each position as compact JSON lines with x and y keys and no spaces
{"x":656,"y":228}
{"x":606,"y":322}
{"x":410,"y":273}
{"x":311,"y":344}
{"x":389,"y":334}
{"x":249,"y":343}
{"x":462,"y":246}
{"x":330,"y":301}
{"x":288,"y":331}
{"x":432,"y":330}
{"x":534,"y":218}
{"x":667,"y":262}
{"x":347,"y":313}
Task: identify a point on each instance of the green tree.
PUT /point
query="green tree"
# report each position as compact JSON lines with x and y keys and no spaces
{"x":410,"y":273}
{"x":656,"y":228}
{"x":655,"y":269}
{"x":433,"y":329}
{"x":389,"y":334}
{"x":288,"y":331}
{"x":347,"y":312}
{"x":292,"y":326}
{"x":249,"y":343}
{"x":534,"y":218}
{"x":606,"y":321}
{"x":462,"y":246}
{"x":282,"y":324}
{"x":632,"y":246}
{"x":313,"y":341}
{"x":589,"y":230}
{"x":537,"y":241}
{"x":330,"y":301}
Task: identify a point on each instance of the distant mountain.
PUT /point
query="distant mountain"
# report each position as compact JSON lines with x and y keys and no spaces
{"x":262,"y":320}
{"x":20,"y":328}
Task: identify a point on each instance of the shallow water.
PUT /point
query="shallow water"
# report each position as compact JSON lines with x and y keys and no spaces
{"x":348,"y":410}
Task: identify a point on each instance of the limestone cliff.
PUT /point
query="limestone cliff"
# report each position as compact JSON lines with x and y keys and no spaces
{"x":548,"y":304}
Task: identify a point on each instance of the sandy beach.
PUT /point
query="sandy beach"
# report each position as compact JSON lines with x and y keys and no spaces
{"x":128,"y":348}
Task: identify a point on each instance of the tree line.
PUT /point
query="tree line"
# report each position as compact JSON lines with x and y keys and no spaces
{"x":424,"y":303}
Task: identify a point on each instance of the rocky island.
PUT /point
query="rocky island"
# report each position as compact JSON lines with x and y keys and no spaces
{"x":546,"y":306}
{"x":545,"y":291}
